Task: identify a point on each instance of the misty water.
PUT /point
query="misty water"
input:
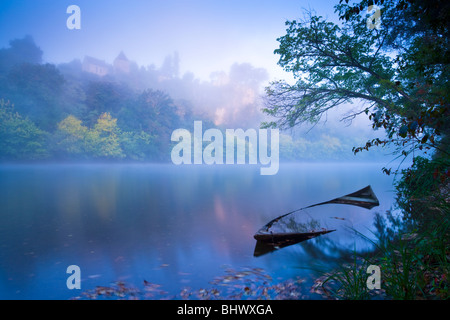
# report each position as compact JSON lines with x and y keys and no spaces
{"x":177,"y":226}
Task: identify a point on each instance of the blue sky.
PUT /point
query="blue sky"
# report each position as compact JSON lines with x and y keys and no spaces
{"x":208,"y":35}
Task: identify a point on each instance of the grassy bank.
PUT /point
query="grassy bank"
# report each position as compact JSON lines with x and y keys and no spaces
{"x":412,"y":249}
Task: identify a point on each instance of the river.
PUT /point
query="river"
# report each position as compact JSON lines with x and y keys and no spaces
{"x":176,"y":226}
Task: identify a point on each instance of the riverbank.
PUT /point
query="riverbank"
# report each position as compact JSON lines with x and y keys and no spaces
{"x":411,"y":253}
{"x":412,"y":250}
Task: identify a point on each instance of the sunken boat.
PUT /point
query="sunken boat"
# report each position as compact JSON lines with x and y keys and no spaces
{"x":288,"y":237}
{"x":267,"y":240}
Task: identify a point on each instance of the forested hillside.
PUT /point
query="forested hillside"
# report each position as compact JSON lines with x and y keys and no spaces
{"x":88,"y":109}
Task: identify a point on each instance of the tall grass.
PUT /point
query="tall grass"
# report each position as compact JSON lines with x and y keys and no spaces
{"x":413,"y":252}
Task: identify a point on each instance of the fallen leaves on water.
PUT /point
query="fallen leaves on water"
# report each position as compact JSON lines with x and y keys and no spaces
{"x":242,"y":284}
{"x":250,"y":284}
{"x":119,"y":290}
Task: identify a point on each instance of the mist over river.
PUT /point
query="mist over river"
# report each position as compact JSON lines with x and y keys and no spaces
{"x":176,"y":226}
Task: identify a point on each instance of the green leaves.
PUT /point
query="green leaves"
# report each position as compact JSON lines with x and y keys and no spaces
{"x":71,"y":137}
{"x":403,"y":131}
{"x":399,"y":70}
{"x":332,"y":67}
{"x":20,"y":138}
{"x":104,"y":138}
{"x":101,"y":142}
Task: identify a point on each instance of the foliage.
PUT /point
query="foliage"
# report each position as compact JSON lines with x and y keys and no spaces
{"x":36,"y":91}
{"x":412,"y":249}
{"x":71,"y":137}
{"x":423,"y":193}
{"x":20,"y":138}
{"x":138,"y":146}
{"x":104,"y":96}
{"x":346,"y":282}
{"x":152,"y":115}
{"x":399,"y":72}
{"x":76,"y":115}
{"x":20,"y":51}
{"x":148,"y":102}
{"x":66,"y":117}
{"x":103,"y":140}
{"x":399,"y":75}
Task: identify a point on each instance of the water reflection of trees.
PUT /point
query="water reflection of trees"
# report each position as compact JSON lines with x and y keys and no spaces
{"x":324,"y":251}
{"x":292,"y":224}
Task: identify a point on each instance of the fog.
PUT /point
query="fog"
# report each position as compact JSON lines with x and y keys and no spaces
{"x":213,"y":59}
{"x":209,"y":35}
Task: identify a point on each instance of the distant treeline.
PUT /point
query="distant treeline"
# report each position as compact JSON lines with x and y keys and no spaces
{"x":45,"y":114}
{"x":68,"y":112}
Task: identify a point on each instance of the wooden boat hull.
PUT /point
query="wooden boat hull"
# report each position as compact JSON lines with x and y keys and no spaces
{"x":267,"y":243}
{"x":288,"y":237}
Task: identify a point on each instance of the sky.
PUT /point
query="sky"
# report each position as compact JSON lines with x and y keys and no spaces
{"x":209,"y":35}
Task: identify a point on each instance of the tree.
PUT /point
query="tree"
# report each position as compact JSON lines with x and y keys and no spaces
{"x":151,"y":113}
{"x":37,"y":92}
{"x":104,"y":97}
{"x":138,"y":146}
{"x":20,"y":51}
{"x":71,"y":138}
{"x":171,"y":66}
{"x":20,"y":138}
{"x":398,"y":73}
{"x":103,"y":141}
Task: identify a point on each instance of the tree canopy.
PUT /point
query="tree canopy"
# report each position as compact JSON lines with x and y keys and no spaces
{"x":20,"y":138}
{"x":397,"y":74}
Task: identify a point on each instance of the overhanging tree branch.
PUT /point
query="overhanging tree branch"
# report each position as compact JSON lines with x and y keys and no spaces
{"x":336,"y":64}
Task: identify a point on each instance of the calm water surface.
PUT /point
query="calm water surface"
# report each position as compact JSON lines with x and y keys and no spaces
{"x":177,"y":226}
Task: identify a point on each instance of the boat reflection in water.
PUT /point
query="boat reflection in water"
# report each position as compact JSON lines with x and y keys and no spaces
{"x":271,"y":243}
{"x":280,"y":232}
